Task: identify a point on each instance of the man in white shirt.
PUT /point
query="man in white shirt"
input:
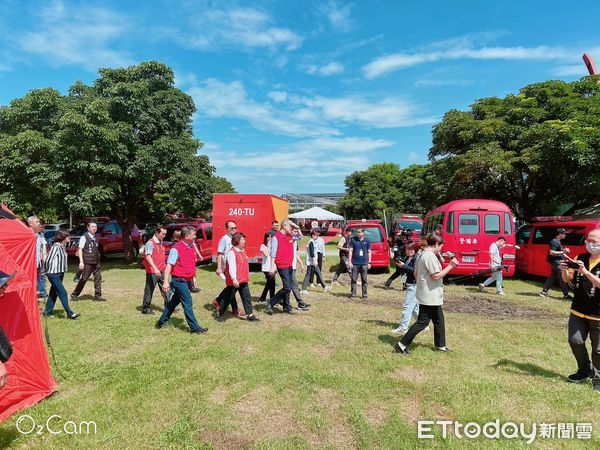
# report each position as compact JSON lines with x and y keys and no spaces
{"x":40,"y":254}
{"x":495,"y":266}
{"x":223,"y":249}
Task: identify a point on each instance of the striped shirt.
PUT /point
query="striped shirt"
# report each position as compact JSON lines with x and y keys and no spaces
{"x":56,"y":262}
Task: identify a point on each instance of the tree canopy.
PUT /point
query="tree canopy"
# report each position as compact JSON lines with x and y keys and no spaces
{"x":121,"y":146}
{"x":534,"y":150}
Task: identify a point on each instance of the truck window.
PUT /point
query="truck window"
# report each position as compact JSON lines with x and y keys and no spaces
{"x":199,"y":234}
{"x":208,"y":232}
{"x":450,"y":223}
{"x":468,"y":223}
{"x":492,"y":224}
{"x":523,"y":234}
{"x":543,"y":235}
{"x":508,"y":224}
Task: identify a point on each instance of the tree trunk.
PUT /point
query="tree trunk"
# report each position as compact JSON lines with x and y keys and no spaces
{"x":127,"y":226}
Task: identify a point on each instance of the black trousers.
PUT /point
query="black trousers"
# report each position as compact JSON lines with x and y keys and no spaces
{"x":356,"y":269}
{"x":283,"y":294}
{"x":312,"y":271}
{"x":225,"y":295}
{"x":244,"y":291}
{"x":399,"y":271}
{"x":552,"y":279}
{"x":269,"y":287}
{"x":579,"y":330}
{"x":320,"y":264}
{"x":152,"y":280}
{"x":428,"y":313}
{"x":342,"y":268}
{"x":88,"y":270}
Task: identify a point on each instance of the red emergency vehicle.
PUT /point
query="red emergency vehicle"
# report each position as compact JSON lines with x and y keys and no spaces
{"x":406,"y":222}
{"x":534,"y":240}
{"x":469,"y":228}
{"x":253,"y":214}
{"x":204,"y":237}
{"x":374,"y":231}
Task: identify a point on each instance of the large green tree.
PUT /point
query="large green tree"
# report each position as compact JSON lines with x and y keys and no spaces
{"x":534,"y":150}
{"x":120,"y":146}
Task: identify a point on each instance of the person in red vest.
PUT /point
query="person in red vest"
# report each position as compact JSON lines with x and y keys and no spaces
{"x":282,"y":257}
{"x":154,"y":263}
{"x":237,"y":275}
{"x":181,"y":265}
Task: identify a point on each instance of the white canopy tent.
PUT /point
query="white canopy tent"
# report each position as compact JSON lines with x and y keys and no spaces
{"x":316,"y":213}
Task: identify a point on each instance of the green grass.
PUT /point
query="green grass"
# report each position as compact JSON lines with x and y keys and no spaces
{"x":325,"y":378}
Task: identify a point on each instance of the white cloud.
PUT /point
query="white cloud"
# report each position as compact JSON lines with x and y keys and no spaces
{"x":413,"y":156}
{"x":278,"y":96}
{"x":217,"y":99}
{"x":77,"y":35}
{"x":331,"y":68}
{"x":442,"y":82}
{"x":302,"y":116}
{"x":338,"y":15}
{"x":390,"y":63}
{"x":245,"y":28}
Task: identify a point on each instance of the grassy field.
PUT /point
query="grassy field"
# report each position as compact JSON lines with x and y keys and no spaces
{"x":327,"y":377}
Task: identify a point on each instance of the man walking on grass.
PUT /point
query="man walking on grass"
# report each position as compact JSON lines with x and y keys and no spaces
{"x":89,"y":262}
{"x":181,"y":265}
{"x":360,"y":261}
{"x":154,"y":263}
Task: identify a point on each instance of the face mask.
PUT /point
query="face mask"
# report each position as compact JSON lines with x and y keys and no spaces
{"x":592,"y":248}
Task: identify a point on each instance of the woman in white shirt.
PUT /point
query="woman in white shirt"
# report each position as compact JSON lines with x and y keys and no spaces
{"x":55,"y":267}
{"x":265,"y":251}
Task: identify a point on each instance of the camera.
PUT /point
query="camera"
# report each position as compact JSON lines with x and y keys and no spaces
{"x":572,"y":265}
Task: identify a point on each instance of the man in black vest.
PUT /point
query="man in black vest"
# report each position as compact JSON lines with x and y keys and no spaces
{"x":584,"y":319}
{"x":89,"y":263}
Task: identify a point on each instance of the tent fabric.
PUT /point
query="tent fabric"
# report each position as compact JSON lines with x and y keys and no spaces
{"x":316,"y":213}
{"x":29,"y":376}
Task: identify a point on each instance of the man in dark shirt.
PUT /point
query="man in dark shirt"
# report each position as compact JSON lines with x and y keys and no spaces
{"x":360,"y":261}
{"x":555,"y":256}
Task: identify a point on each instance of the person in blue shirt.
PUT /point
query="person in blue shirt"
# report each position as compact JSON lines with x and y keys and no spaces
{"x":359,"y":256}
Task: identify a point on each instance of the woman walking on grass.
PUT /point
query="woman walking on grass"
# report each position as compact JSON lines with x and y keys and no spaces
{"x":237,"y":275}
{"x":56,"y":266}
{"x":265,"y":252}
{"x":430,"y":295}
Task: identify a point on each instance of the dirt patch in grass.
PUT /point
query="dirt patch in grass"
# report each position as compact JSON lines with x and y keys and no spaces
{"x":219,"y":395}
{"x":411,"y":409}
{"x":409,"y":373}
{"x":227,"y":440}
{"x":375,"y":416}
{"x":328,"y":403}
{"x":492,"y":308}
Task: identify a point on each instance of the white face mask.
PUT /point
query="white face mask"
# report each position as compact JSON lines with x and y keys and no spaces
{"x":592,"y":248}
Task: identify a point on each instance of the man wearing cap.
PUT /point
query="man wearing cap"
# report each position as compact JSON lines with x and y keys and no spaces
{"x":181,"y":264}
{"x":555,"y":256}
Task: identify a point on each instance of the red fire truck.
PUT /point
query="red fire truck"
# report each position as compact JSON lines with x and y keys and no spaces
{"x":253,"y":214}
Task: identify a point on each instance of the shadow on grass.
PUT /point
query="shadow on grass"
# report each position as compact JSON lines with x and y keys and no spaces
{"x":527,"y":368}
{"x":381,"y":323}
{"x":8,"y":435}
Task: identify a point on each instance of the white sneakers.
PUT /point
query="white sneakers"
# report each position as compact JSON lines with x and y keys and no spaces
{"x":327,"y":289}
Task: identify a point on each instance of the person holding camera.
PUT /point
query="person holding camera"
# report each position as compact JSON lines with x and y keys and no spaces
{"x":555,"y":256}
{"x":584,"y":274}
{"x":430,"y":296}
{"x":399,"y":257}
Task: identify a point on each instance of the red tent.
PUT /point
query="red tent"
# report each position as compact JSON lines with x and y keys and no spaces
{"x":29,"y":377}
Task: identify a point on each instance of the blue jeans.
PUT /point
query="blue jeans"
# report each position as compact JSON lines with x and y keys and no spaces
{"x":411,"y":307}
{"x":497,"y":277}
{"x":41,"y":281}
{"x":57,"y":289}
{"x":181,"y":294}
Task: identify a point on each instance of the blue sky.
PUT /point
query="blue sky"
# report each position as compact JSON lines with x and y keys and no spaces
{"x":292,"y":96}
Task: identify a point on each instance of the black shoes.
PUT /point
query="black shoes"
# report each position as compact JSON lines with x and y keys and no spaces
{"x":99,"y":299}
{"x":74,"y":316}
{"x":288,"y":311}
{"x":147,"y":311}
{"x":443,"y":349}
{"x":253,"y":318}
{"x":568,"y":297}
{"x":74,"y":296}
{"x":195,"y":290}
{"x":219,"y":317}
{"x":269,"y":309}
{"x":303,"y":306}
{"x":199,"y":330}
{"x":578,"y":377}
{"x":399,"y":348}
{"x":159,"y":325}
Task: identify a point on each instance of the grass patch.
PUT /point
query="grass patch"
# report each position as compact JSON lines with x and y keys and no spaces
{"x":324,"y":378}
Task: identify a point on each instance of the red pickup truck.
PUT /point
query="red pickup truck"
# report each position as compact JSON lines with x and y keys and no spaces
{"x":110,"y":239}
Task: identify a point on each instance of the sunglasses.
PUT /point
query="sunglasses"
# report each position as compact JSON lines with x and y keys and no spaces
{"x":233,"y":228}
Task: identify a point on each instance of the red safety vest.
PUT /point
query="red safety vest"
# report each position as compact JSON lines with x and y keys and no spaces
{"x":285,"y":250}
{"x":185,"y":266}
{"x":241,"y":267}
{"x":158,"y":256}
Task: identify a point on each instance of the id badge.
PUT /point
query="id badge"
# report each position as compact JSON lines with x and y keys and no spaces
{"x":360,"y":253}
